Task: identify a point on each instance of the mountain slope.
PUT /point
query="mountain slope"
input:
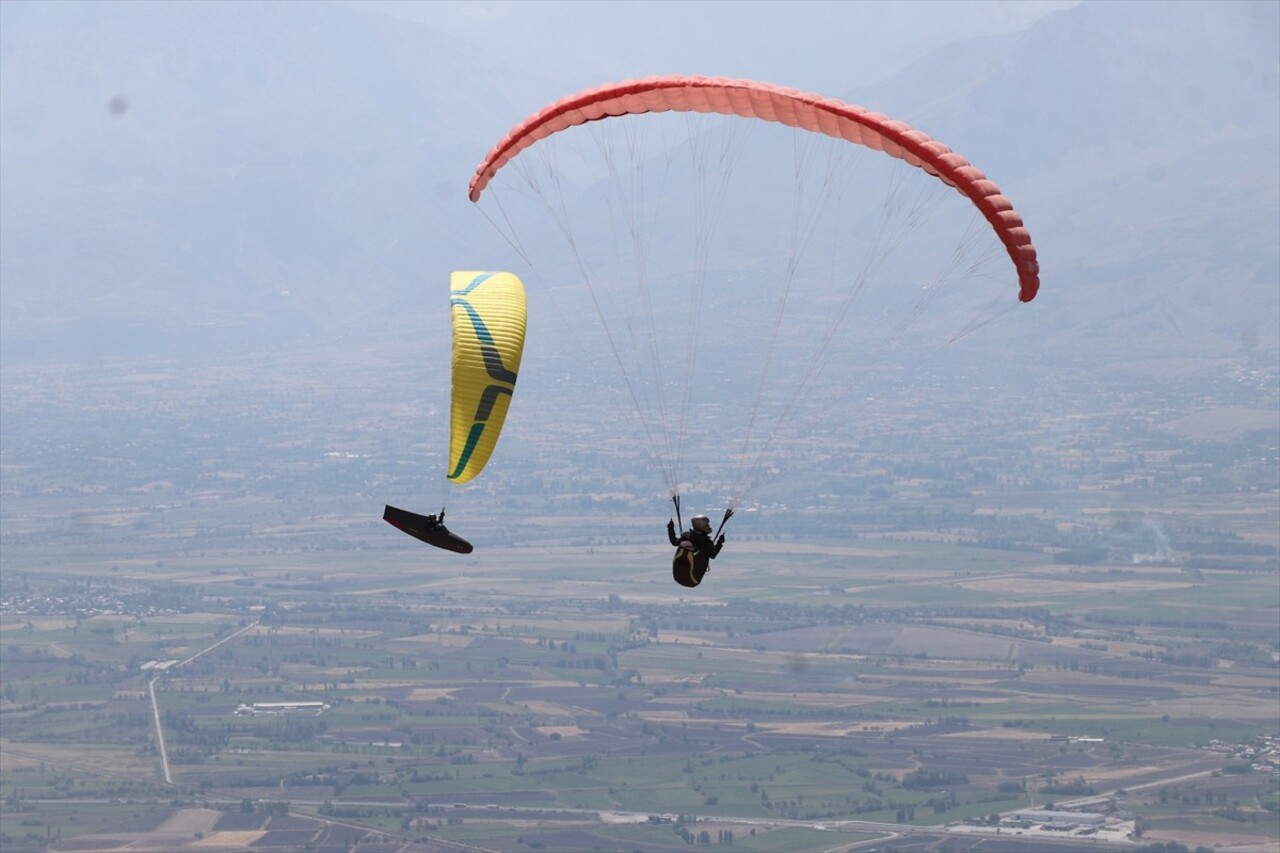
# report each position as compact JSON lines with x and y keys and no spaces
{"x":186,"y":178}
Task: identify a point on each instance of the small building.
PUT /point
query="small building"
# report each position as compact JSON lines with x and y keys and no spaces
{"x":1060,"y":820}
{"x":158,"y":665}
{"x":261,"y":708}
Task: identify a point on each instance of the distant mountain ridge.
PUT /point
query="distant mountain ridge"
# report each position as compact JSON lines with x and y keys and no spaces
{"x":1139,"y":141}
{"x":272,"y":174}
{"x":276,"y":178}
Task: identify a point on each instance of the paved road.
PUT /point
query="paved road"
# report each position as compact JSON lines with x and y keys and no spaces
{"x":155,"y":713}
{"x":155,"y":706}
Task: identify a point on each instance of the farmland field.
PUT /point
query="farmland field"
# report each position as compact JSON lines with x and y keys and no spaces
{"x":905,"y":645}
{"x":542,"y":706}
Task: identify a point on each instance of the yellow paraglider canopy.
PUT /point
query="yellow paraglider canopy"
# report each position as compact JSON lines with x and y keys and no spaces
{"x":488,"y":340}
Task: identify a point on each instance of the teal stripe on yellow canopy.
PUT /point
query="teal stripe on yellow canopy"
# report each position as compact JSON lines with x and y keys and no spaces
{"x":488,"y":340}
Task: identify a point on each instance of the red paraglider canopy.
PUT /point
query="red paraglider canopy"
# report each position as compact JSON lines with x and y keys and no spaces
{"x":791,"y":107}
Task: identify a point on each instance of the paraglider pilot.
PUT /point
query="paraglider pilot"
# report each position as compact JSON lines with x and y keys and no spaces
{"x":695,"y":548}
{"x":426,"y":528}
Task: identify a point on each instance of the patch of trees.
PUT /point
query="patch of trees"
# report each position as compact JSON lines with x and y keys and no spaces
{"x":926,"y":779}
{"x":1155,"y":620}
{"x":1244,"y":653}
{"x":1075,"y":787}
{"x":328,"y":809}
{"x":1223,"y":546}
{"x":1267,"y":568}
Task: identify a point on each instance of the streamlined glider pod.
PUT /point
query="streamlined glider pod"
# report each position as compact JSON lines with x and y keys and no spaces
{"x":426,"y":528}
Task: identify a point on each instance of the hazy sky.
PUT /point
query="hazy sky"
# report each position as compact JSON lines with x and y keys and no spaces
{"x":822,"y":44}
{"x":173,"y":165}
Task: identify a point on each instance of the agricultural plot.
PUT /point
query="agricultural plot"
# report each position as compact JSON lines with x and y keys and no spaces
{"x":785,"y":714}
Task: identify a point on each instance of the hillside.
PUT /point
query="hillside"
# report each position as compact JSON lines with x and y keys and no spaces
{"x":260,"y":181}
